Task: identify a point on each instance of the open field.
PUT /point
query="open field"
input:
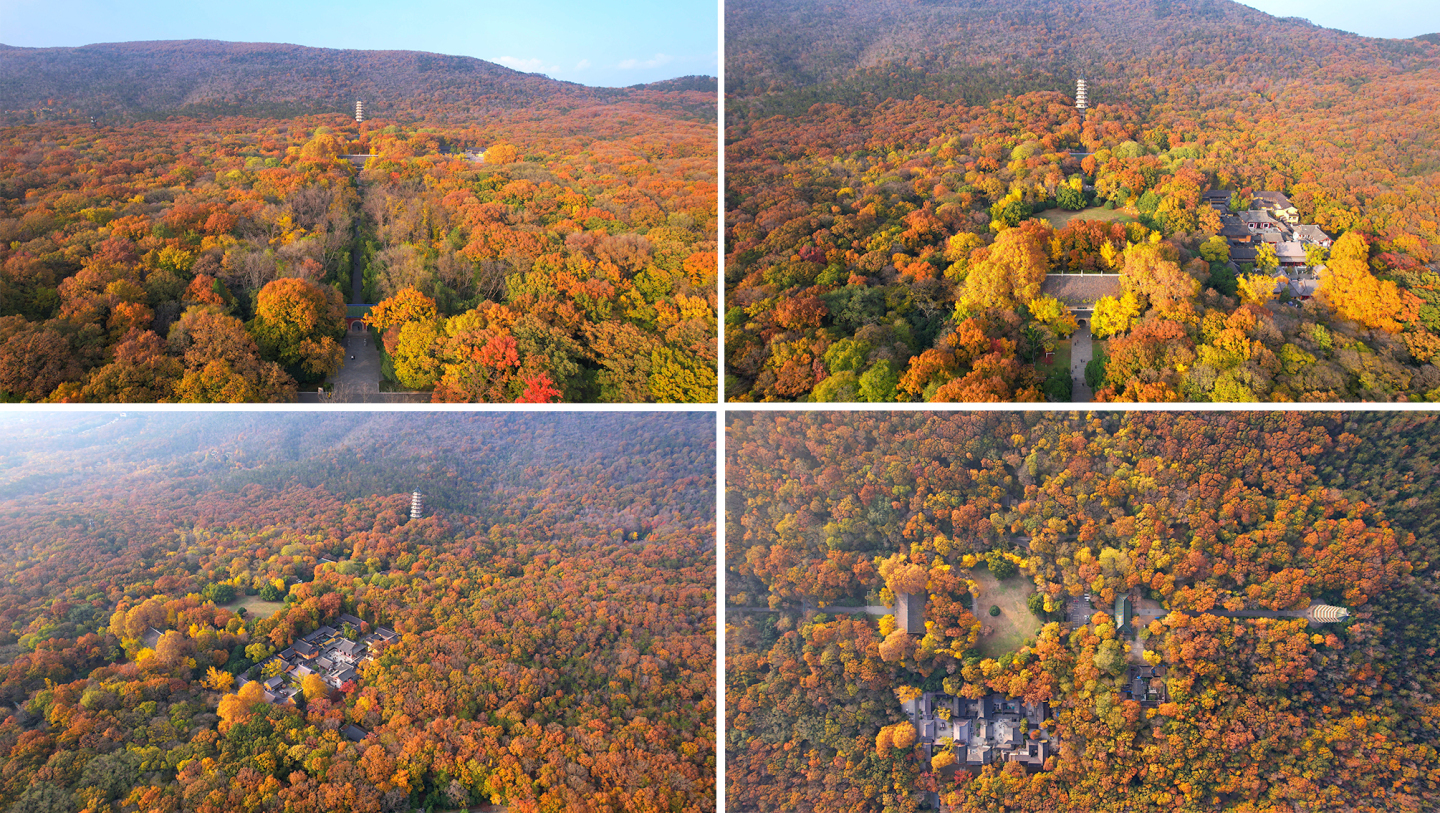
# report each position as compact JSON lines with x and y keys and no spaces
{"x":256,"y":607}
{"x":1015,"y":624}
{"x":1059,"y":217}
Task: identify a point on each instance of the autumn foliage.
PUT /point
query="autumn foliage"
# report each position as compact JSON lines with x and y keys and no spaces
{"x":896,"y":170}
{"x":1229,"y":525}
{"x":554,"y":606}
{"x":579,"y":240}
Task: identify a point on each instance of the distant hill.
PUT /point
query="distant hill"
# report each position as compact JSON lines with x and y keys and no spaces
{"x":702,"y":83}
{"x":978,"y":50}
{"x":205,"y":77}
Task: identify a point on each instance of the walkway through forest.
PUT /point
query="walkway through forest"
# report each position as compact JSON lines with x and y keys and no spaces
{"x":1081,"y":351}
{"x":358,"y":379}
{"x":807,"y":606}
{"x":357,"y":268}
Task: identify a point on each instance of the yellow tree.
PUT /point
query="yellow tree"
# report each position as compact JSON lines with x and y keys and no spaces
{"x":1265,"y":258}
{"x":416,"y":365}
{"x":1145,"y":270}
{"x":408,"y":305}
{"x":1350,"y":290}
{"x":904,"y":735}
{"x":323,"y":146}
{"x":1114,"y":315}
{"x":1013,"y":269}
{"x":219,"y":680}
{"x":1052,"y":312}
{"x":1257,"y":289}
{"x":313,"y":686}
{"x":1215,"y":250}
{"x":501,"y":153}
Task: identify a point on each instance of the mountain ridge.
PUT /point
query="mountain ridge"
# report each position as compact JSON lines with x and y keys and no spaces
{"x":980,"y":50}
{"x":147,"y":79}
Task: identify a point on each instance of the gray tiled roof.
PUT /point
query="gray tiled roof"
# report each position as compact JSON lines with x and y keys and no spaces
{"x":1081,"y":289}
{"x":910,"y":612}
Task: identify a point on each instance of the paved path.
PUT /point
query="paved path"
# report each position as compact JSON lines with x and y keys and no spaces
{"x":1258,"y":614}
{"x":808,"y":606}
{"x":358,"y":381}
{"x":1152,"y":614}
{"x":1081,"y":351}
{"x":871,"y":609}
{"x":1137,"y":651}
{"x":360,"y":373}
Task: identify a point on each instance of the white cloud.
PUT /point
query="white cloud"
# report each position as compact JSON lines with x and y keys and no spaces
{"x":526,"y":65}
{"x":657,"y":61}
{"x":582,"y":64}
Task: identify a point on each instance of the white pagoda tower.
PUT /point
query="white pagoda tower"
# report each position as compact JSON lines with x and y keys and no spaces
{"x":1326,"y":614}
{"x":359,"y":111}
{"x":417,"y":505}
{"x":1081,"y":103}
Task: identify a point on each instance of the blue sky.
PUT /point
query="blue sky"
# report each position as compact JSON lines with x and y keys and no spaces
{"x":1397,"y":19}
{"x":603,"y":44}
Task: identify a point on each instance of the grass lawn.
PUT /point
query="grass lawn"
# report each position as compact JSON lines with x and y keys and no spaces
{"x":1059,"y":217}
{"x":1061,"y":362}
{"x":255,"y":607}
{"x":1015,"y":624}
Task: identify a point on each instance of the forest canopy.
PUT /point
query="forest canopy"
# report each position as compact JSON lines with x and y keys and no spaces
{"x":553,"y":607}
{"x":564,"y":237}
{"x":1221,"y":530}
{"x":880,"y":155}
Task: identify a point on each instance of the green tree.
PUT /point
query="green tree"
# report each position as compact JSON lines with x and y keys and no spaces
{"x":1110,"y":657}
{"x":878,"y":383}
{"x":1216,"y":249}
{"x":1001,"y":567}
{"x":1095,"y":370}
{"x":1012,"y":211}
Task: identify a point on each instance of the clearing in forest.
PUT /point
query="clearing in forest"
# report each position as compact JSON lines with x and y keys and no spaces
{"x":1057,"y":218}
{"x":256,"y":607}
{"x":1015,"y":624}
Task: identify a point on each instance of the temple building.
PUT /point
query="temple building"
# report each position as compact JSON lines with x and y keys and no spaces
{"x":910,"y":611}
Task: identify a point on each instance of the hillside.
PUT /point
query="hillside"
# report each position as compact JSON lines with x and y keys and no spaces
{"x":978,"y":50}
{"x":553,"y":599}
{"x":205,"y":77}
{"x":878,"y":159}
{"x":482,"y":182}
